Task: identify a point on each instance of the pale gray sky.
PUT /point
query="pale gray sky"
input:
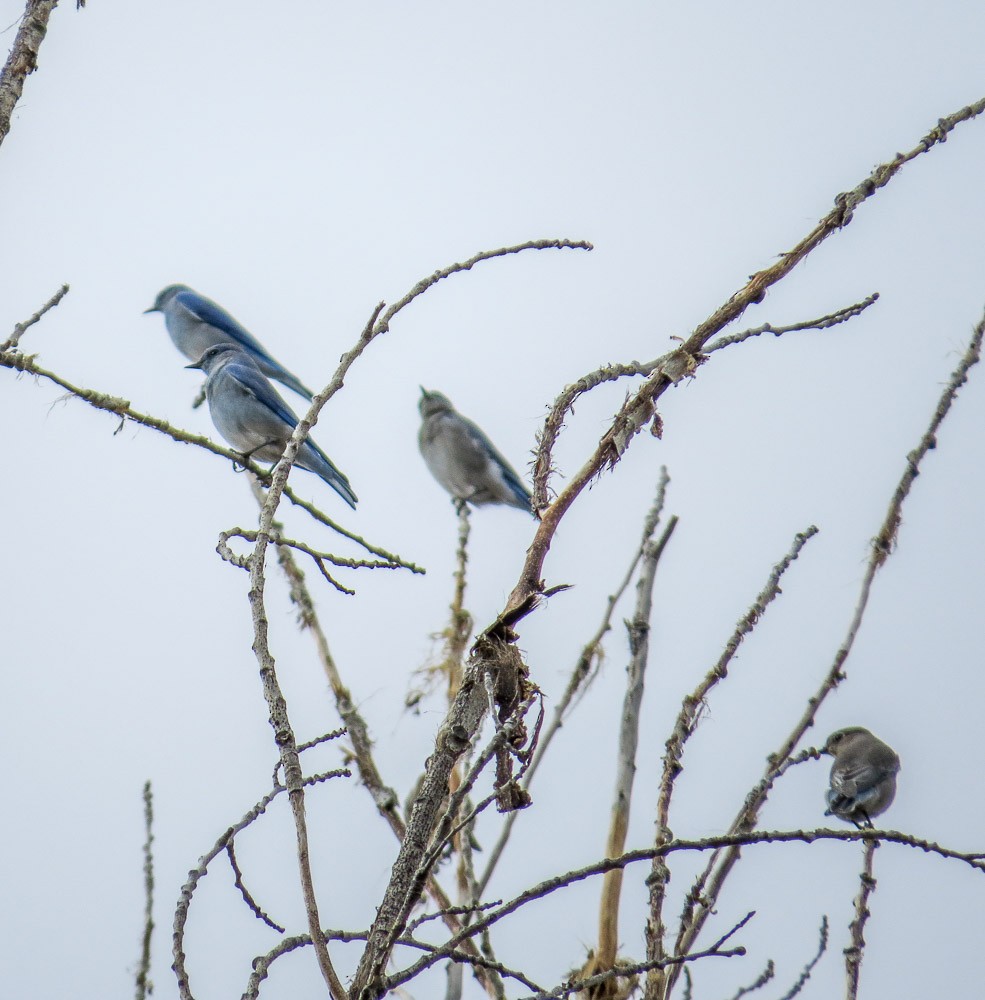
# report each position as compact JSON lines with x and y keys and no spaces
{"x":300,"y":164}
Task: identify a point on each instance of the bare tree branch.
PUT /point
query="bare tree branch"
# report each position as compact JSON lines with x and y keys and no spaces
{"x":704,"y":893}
{"x":583,"y":671}
{"x":199,"y":872}
{"x":245,"y":893}
{"x":678,"y":364}
{"x":822,"y":323}
{"x":853,"y":953}
{"x":765,"y":976}
{"x":144,"y":987}
{"x":684,"y":727}
{"x":604,"y":959}
{"x":822,"y":947}
{"x":21,"y":328}
{"x":23,"y":58}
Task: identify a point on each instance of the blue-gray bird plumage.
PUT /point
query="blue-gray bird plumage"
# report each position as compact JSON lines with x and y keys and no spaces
{"x":463,"y":459}
{"x":251,"y":415}
{"x":863,"y":776}
{"x":196,"y":323}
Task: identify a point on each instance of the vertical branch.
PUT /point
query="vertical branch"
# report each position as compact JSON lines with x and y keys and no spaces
{"x":581,"y":674}
{"x":853,"y":953}
{"x":704,"y":893}
{"x":639,"y":644}
{"x":144,"y":986}
{"x":23,"y":58}
{"x":687,"y":721}
{"x":285,"y":739}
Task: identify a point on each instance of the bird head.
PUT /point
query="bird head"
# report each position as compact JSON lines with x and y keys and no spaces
{"x":164,"y":296}
{"x":842,"y":739}
{"x":217,"y":355}
{"x":433,"y":402}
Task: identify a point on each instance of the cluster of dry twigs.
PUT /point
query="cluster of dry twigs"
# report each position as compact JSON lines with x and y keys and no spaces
{"x":489,"y":681}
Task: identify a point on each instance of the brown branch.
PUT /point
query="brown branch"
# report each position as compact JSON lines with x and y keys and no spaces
{"x":23,"y":58}
{"x":551,"y":885}
{"x":764,"y":977}
{"x":144,"y":987}
{"x":384,"y":796}
{"x":261,"y":964}
{"x":245,"y":893}
{"x":21,"y":328}
{"x":123,"y":409}
{"x":705,"y":891}
{"x":822,"y":947}
{"x":198,"y":873}
{"x":584,"y":669}
{"x":684,"y":727}
{"x":822,"y":323}
{"x":638,"y":628}
{"x":853,"y":953}
{"x":639,"y":410}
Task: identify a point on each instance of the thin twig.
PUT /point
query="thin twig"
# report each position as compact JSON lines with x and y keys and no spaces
{"x":705,"y":891}
{"x":684,"y":727}
{"x":822,"y":323}
{"x":245,"y":893}
{"x":822,"y":947}
{"x":21,"y":328}
{"x":764,"y":977}
{"x":199,"y":872}
{"x":755,"y":837}
{"x":853,"y":953}
{"x":144,"y":985}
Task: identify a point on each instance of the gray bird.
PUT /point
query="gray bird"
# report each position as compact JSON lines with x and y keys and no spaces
{"x":250,"y":414}
{"x":463,"y":459}
{"x":863,"y":776}
{"x":196,"y":323}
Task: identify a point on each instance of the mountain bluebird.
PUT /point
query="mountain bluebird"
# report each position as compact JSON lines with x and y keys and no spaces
{"x":863,"y":776}
{"x":250,"y":414}
{"x":463,"y":459}
{"x":196,"y":323}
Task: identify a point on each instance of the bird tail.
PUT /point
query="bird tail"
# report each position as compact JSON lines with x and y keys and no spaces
{"x":315,"y":460}
{"x":293,"y":382}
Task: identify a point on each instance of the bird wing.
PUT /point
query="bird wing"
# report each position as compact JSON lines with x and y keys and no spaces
{"x":854,"y":778}
{"x":208,"y":312}
{"x":258,"y":386}
{"x":510,"y":476}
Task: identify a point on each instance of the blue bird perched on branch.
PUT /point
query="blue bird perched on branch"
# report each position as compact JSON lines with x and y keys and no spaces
{"x":250,"y":414}
{"x":463,"y":459}
{"x":196,"y":323}
{"x":863,"y":776}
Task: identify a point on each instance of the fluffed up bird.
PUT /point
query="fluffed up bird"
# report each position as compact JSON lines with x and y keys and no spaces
{"x":196,"y":323}
{"x":863,"y":776}
{"x":463,"y":459}
{"x":250,"y":414}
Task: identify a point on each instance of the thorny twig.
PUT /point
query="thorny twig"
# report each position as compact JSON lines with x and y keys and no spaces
{"x":822,"y":947}
{"x":705,"y":891}
{"x":853,"y":953}
{"x":684,"y":727}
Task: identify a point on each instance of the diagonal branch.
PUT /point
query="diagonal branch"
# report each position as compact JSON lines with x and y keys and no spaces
{"x":582,"y":673}
{"x":23,"y":58}
{"x":684,"y":727}
{"x":704,"y":893}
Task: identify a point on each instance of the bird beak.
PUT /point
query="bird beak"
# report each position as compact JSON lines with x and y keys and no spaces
{"x":424,"y":391}
{"x":197,"y":364}
{"x":153,"y":309}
